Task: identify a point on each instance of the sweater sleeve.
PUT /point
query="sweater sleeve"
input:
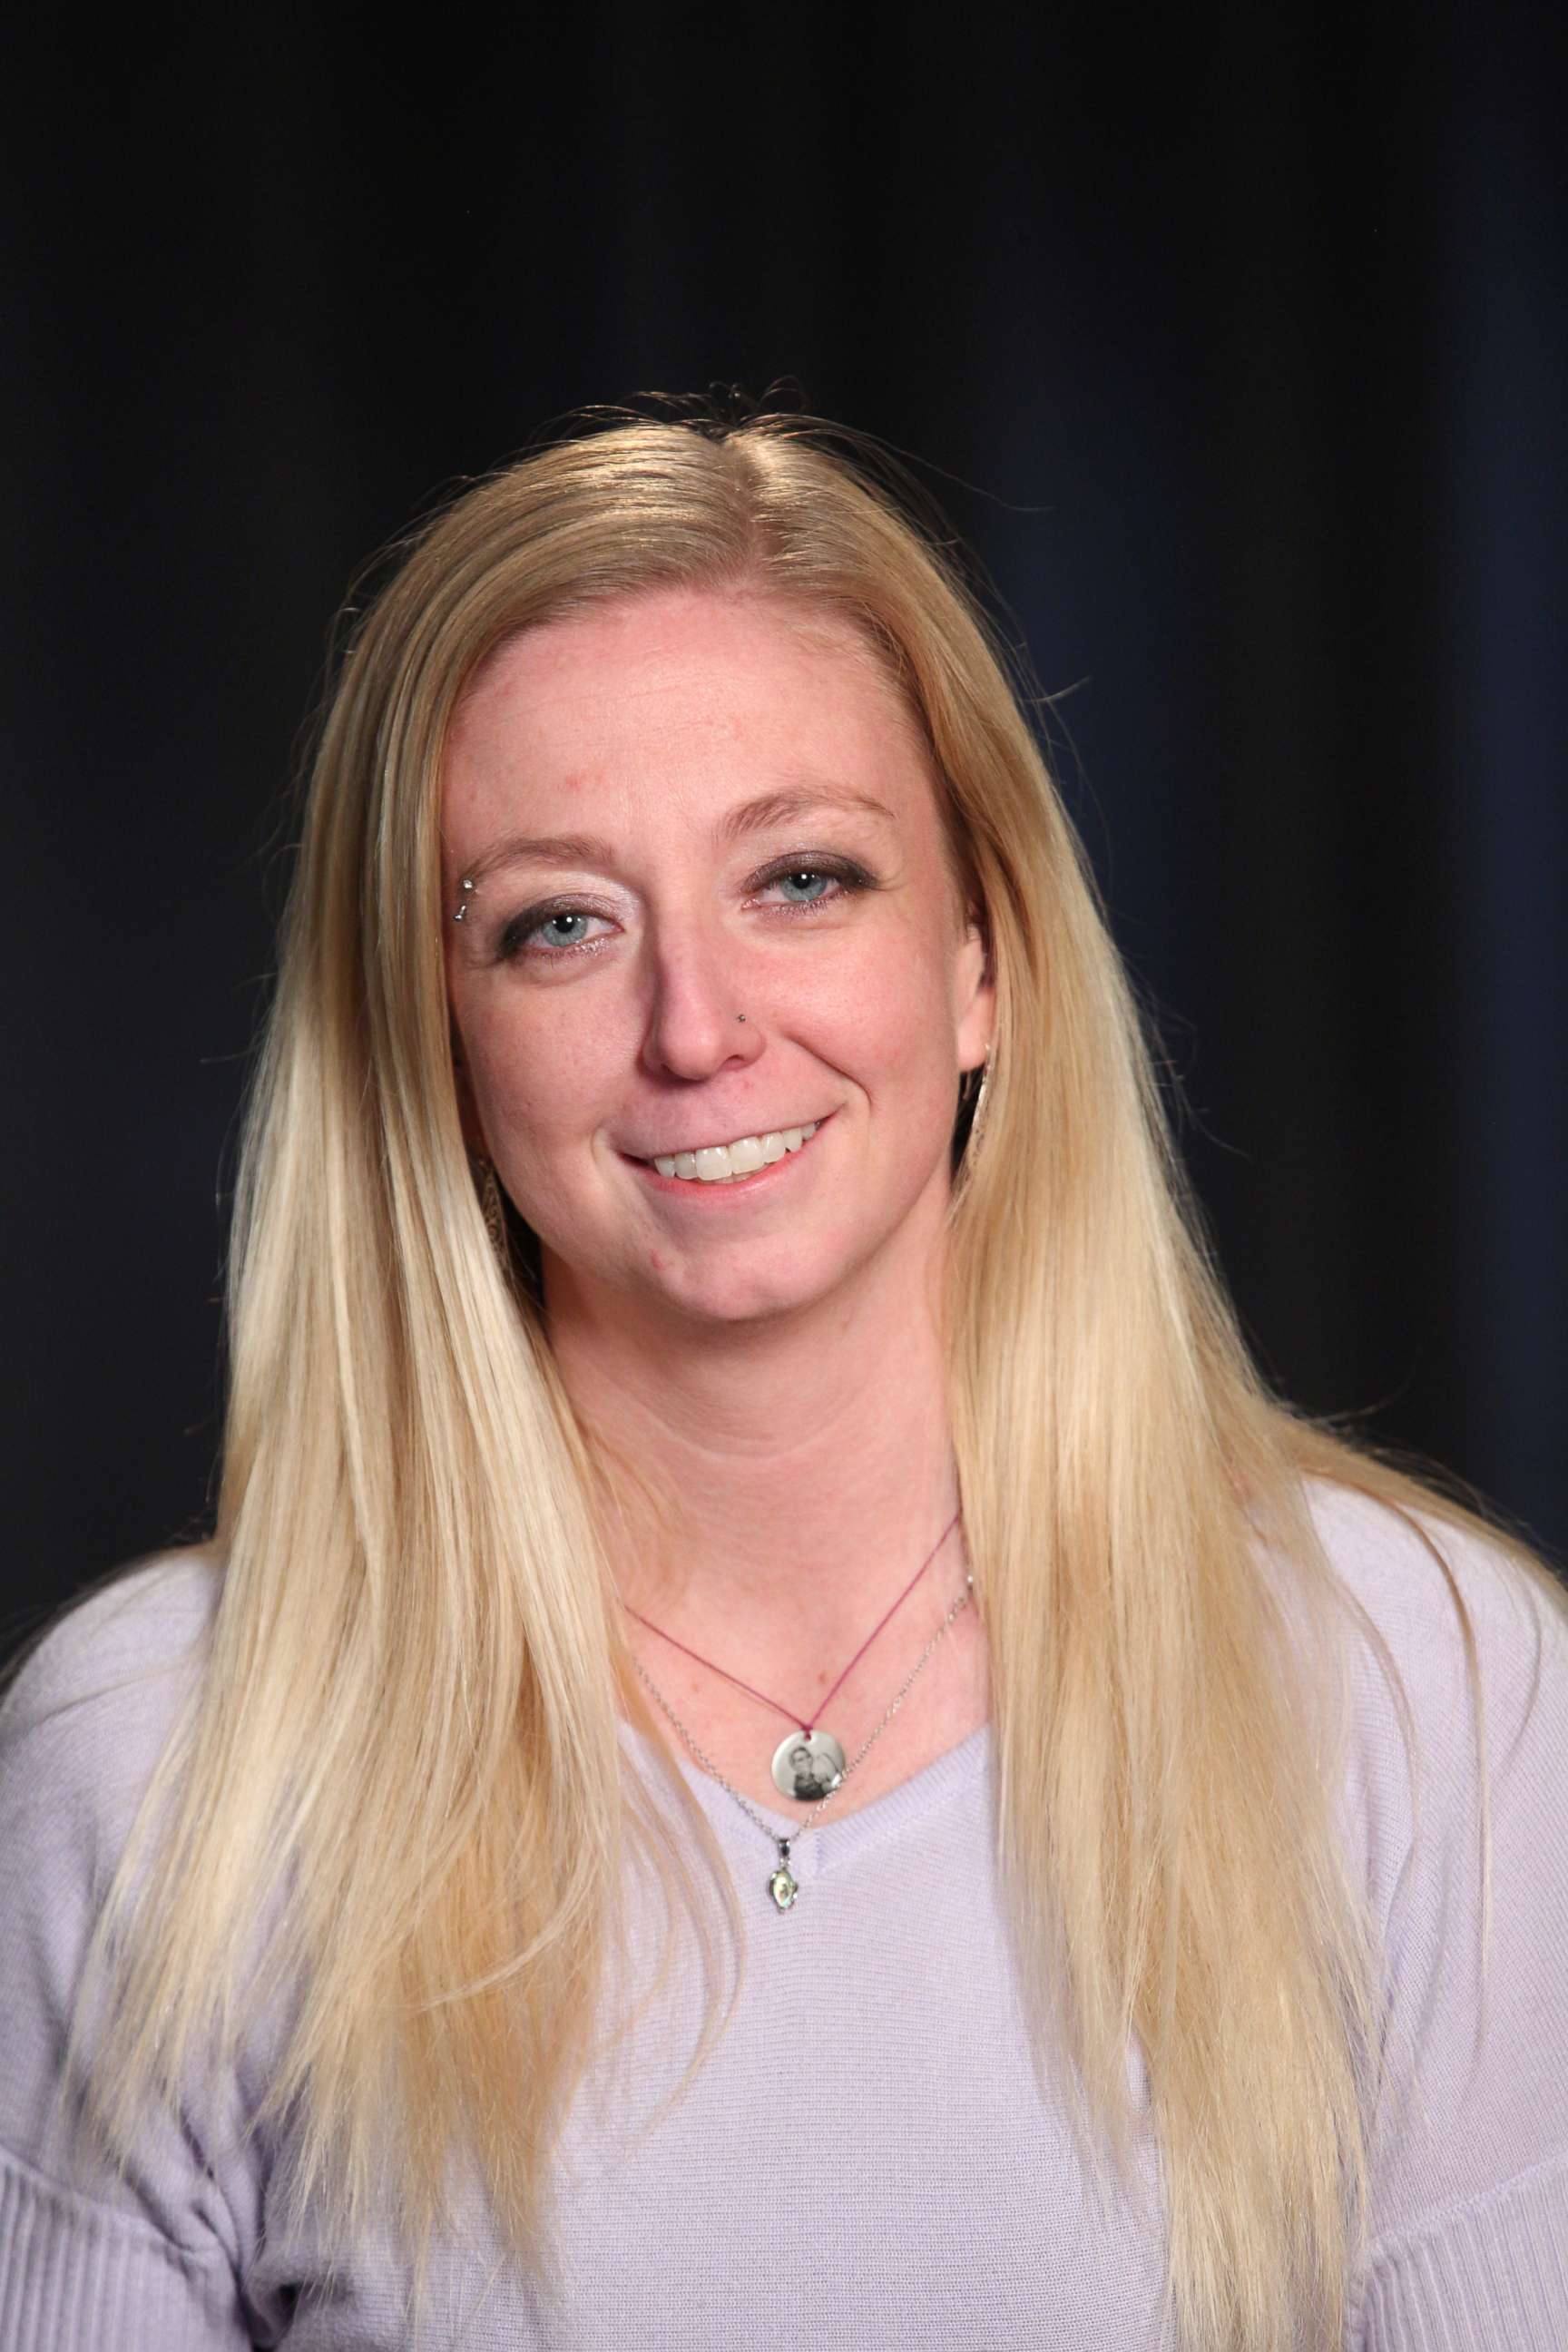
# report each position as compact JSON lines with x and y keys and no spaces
{"x":152,"y":2261}
{"x":1468,"y":2218}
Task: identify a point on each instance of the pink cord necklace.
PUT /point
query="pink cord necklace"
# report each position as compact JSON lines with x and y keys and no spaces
{"x":809,"y":1763}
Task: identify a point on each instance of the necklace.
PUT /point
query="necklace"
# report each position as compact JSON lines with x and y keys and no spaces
{"x":783,"y":1884}
{"x":809,"y":1763}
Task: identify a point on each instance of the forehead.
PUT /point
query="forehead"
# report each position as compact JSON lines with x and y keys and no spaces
{"x":700,"y":683}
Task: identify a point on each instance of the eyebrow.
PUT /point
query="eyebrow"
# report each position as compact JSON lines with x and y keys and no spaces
{"x":751,"y":816}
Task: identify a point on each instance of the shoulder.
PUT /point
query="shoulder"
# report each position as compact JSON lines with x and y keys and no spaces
{"x":1435,"y":1602}
{"x":1404,"y":1564}
{"x":123,"y":1635}
{"x":87,"y":1715}
{"x":1457,"y":1669}
{"x":143,"y":1617}
{"x":1456,"y":1826}
{"x":85,"y":1721}
{"x":88,"y":1709}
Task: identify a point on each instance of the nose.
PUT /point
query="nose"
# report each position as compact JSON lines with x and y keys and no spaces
{"x":698,"y":1018}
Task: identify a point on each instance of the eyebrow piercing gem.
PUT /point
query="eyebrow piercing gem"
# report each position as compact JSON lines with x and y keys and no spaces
{"x":463,"y":903}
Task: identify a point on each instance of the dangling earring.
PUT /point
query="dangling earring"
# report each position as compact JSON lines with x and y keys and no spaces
{"x":975,"y":1100}
{"x":494,"y":1214}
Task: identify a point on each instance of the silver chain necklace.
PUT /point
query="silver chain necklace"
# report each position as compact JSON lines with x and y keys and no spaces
{"x":782,"y":1886}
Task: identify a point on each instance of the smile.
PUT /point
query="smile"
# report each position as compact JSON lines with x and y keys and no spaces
{"x":751,"y":1163}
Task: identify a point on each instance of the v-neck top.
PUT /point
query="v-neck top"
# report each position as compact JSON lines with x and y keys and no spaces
{"x":818,"y":1850}
{"x":871,"y":2154}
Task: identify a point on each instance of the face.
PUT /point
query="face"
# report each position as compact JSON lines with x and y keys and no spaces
{"x":712,"y":756}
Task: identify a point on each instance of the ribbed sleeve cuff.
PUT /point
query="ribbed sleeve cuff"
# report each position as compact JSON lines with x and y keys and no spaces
{"x":76,"y":2278}
{"x":1488,"y":2274}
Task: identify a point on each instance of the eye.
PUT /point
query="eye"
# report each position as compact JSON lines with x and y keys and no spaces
{"x":553,"y":928}
{"x":847,"y":878}
{"x":552,"y":932}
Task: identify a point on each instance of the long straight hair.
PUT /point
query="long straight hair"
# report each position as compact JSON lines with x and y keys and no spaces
{"x":402,"y":1751}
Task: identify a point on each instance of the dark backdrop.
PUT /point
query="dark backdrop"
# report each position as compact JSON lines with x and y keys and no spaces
{"x":1233,"y":340}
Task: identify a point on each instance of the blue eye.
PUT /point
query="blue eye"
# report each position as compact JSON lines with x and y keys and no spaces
{"x":570,"y":915}
{"x":803,"y":874}
{"x":516,"y":936}
{"x":526,"y":936}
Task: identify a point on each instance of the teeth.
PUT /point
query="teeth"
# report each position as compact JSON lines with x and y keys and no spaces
{"x":721,"y":1163}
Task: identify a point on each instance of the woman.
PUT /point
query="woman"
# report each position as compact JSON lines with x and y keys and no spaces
{"x":771,"y":1688}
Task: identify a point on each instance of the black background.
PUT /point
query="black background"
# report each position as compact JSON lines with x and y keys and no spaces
{"x":1232,"y":340}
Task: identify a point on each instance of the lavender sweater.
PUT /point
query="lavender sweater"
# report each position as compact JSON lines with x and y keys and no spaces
{"x":868,"y":2161}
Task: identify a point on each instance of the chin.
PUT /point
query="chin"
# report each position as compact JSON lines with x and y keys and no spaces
{"x":738,"y":1295}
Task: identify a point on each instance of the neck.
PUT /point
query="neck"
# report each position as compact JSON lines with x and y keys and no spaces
{"x":803,"y":1476}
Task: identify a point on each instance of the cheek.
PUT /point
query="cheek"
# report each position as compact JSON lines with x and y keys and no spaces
{"x":530,"y":1079}
{"x":901,"y":1020}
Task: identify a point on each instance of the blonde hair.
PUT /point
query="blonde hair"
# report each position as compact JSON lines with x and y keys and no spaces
{"x":403,"y":1741}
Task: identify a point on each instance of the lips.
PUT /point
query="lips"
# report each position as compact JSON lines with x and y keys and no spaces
{"x":674,"y":1150}
{"x":758,"y":1182}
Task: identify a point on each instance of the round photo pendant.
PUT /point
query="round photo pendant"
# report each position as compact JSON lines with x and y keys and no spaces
{"x":808,"y":1765}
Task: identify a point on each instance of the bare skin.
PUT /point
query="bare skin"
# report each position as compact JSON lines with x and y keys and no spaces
{"x":768,"y":1361}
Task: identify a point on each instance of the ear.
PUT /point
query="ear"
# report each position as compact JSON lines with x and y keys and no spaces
{"x":974,"y":994}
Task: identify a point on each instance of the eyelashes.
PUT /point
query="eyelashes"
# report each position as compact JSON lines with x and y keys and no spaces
{"x":516,"y":942}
